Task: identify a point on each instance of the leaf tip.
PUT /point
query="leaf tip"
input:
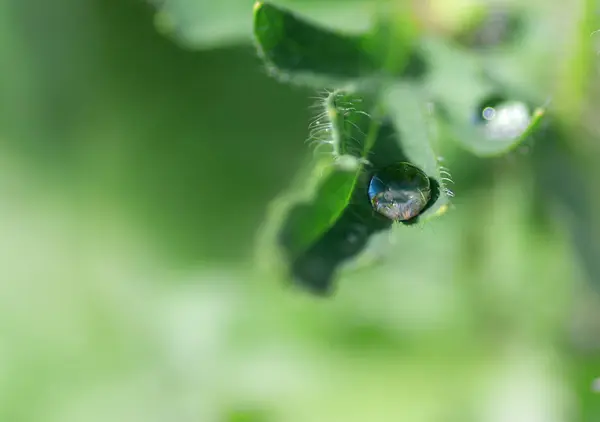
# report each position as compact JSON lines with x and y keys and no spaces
{"x":442,"y":210}
{"x":539,"y":113}
{"x":257,"y":6}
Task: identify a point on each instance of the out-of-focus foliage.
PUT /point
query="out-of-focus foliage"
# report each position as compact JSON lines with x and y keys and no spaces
{"x":134,"y":175}
{"x":384,"y":114}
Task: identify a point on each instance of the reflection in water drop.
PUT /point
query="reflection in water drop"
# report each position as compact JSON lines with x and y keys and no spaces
{"x":489,"y":113}
{"x":400,"y":192}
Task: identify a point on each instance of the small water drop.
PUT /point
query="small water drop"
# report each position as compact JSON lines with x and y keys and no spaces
{"x":489,"y":113}
{"x":503,"y":119}
{"x":400,"y":192}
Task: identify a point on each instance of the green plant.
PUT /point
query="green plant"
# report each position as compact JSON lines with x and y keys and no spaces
{"x":388,"y":101}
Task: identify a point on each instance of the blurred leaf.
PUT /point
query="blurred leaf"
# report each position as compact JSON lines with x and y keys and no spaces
{"x":491,"y":27}
{"x":204,"y":24}
{"x":209,"y":24}
{"x":346,"y":126}
{"x":506,"y":126}
{"x":482,"y":115}
{"x":578,"y":61}
{"x":247,"y":414}
{"x":567,"y":187}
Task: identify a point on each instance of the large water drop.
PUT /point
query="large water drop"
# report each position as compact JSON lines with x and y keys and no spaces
{"x":400,"y":192}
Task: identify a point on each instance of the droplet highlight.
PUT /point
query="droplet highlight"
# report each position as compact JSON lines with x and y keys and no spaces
{"x":503,"y":119}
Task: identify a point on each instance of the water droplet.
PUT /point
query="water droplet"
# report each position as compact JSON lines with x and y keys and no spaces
{"x":503,"y":119}
{"x":400,"y":192}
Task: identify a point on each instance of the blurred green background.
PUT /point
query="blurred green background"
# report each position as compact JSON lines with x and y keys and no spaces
{"x":136,"y":166}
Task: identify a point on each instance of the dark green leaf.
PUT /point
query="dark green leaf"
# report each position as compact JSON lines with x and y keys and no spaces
{"x":333,"y":220}
{"x":302,"y":218}
{"x":291,"y":45}
{"x":302,"y":51}
{"x":346,"y":127}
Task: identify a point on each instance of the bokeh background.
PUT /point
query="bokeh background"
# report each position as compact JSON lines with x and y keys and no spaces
{"x":138,"y":155}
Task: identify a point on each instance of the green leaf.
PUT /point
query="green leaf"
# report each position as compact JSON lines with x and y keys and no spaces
{"x":491,"y":27}
{"x":481,"y":115}
{"x":568,"y":190}
{"x":511,"y":126}
{"x":346,"y":126}
{"x":204,"y":24}
{"x":308,"y":222}
{"x":292,"y":45}
{"x":417,"y":135}
{"x":299,"y":50}
{"x":303,"y":217}
{"x":331,"y":220}
{"x":210,"y":24}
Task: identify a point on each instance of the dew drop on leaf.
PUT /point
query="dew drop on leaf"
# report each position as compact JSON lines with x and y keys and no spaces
{"x":503,"y":119}
{"x":400,"y":192}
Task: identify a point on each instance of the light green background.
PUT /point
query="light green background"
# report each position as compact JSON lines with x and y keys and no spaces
{"x":134,"y":174}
